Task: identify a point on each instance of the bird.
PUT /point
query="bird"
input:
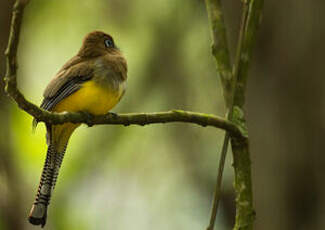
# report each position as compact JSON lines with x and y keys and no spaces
{"x":92,"y":82}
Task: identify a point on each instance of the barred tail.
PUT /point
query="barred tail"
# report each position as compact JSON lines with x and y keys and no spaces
{"x":38,"y":213}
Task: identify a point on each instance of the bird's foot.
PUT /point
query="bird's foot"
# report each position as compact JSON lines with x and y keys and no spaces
{"x":89,"y":118}
{"x":114,"y":115}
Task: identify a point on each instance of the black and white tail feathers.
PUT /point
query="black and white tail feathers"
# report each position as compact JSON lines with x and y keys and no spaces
{"x":38,"y":213}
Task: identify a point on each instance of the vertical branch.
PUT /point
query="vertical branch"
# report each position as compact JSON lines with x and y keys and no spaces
{"x":253,"y":9}
{"x":11,"y":51}
{"x":221,"y":53}
{"x":10,"y":78}
{"x":251,"y":18}
{"x":220,"y":47}
{"x":10,"y":191}
{"x":245,"y":214}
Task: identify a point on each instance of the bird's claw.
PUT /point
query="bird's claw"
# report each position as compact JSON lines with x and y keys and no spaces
{"x":89,"y":118}
{"x":114,"y":115}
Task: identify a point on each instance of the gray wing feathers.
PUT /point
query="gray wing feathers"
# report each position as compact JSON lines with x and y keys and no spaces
{"x":66,"y":90}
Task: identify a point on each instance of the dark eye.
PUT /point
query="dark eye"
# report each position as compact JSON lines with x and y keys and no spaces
{"x":109,"y":43}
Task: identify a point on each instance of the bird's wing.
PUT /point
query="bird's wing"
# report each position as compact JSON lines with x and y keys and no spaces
{"x":68,"y":80}
{"x":68,"y":88}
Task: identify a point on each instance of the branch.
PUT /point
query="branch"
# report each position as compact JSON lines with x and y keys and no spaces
{"x":253,"y":10}
{"x":251,"y":19}
{"x":220,"y":47}
{"x":142,"y":119}
{"x":122,"y":119}
{"x":221,"y":54}
{"x":245,"y":214}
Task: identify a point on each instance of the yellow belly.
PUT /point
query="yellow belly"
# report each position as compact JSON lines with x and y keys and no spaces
{"x":90,"y":98}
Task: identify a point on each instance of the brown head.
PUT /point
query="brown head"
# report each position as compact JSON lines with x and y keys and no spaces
{"x":97,"y":43}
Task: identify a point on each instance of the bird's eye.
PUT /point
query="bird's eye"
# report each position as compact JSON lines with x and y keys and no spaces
{"x":109,"y":43}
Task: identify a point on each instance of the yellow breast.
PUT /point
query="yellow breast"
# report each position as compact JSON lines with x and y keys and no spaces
{"x":91,"y":98}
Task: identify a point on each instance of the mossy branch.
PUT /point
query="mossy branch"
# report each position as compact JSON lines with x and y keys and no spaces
{"x":220,"y":47}
{"x":122,"y":119}
{"x":245,"y":214}
{"x":221,"y":53}
{"x":251,"y":18}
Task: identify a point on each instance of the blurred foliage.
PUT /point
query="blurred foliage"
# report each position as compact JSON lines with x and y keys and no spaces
{"x":162,"y":176}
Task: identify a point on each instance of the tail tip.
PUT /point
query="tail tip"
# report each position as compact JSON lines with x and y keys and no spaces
{"x":38,"y":215}
{"x":37,"y":221}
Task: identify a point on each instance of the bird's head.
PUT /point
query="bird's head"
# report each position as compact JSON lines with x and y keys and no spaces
{"x":97,"y":43}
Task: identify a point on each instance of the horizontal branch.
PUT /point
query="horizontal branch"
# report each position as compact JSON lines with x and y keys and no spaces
{"x":142,"y":119}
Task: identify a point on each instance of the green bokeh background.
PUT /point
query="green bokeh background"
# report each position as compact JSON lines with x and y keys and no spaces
{"x":163,"y":176}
